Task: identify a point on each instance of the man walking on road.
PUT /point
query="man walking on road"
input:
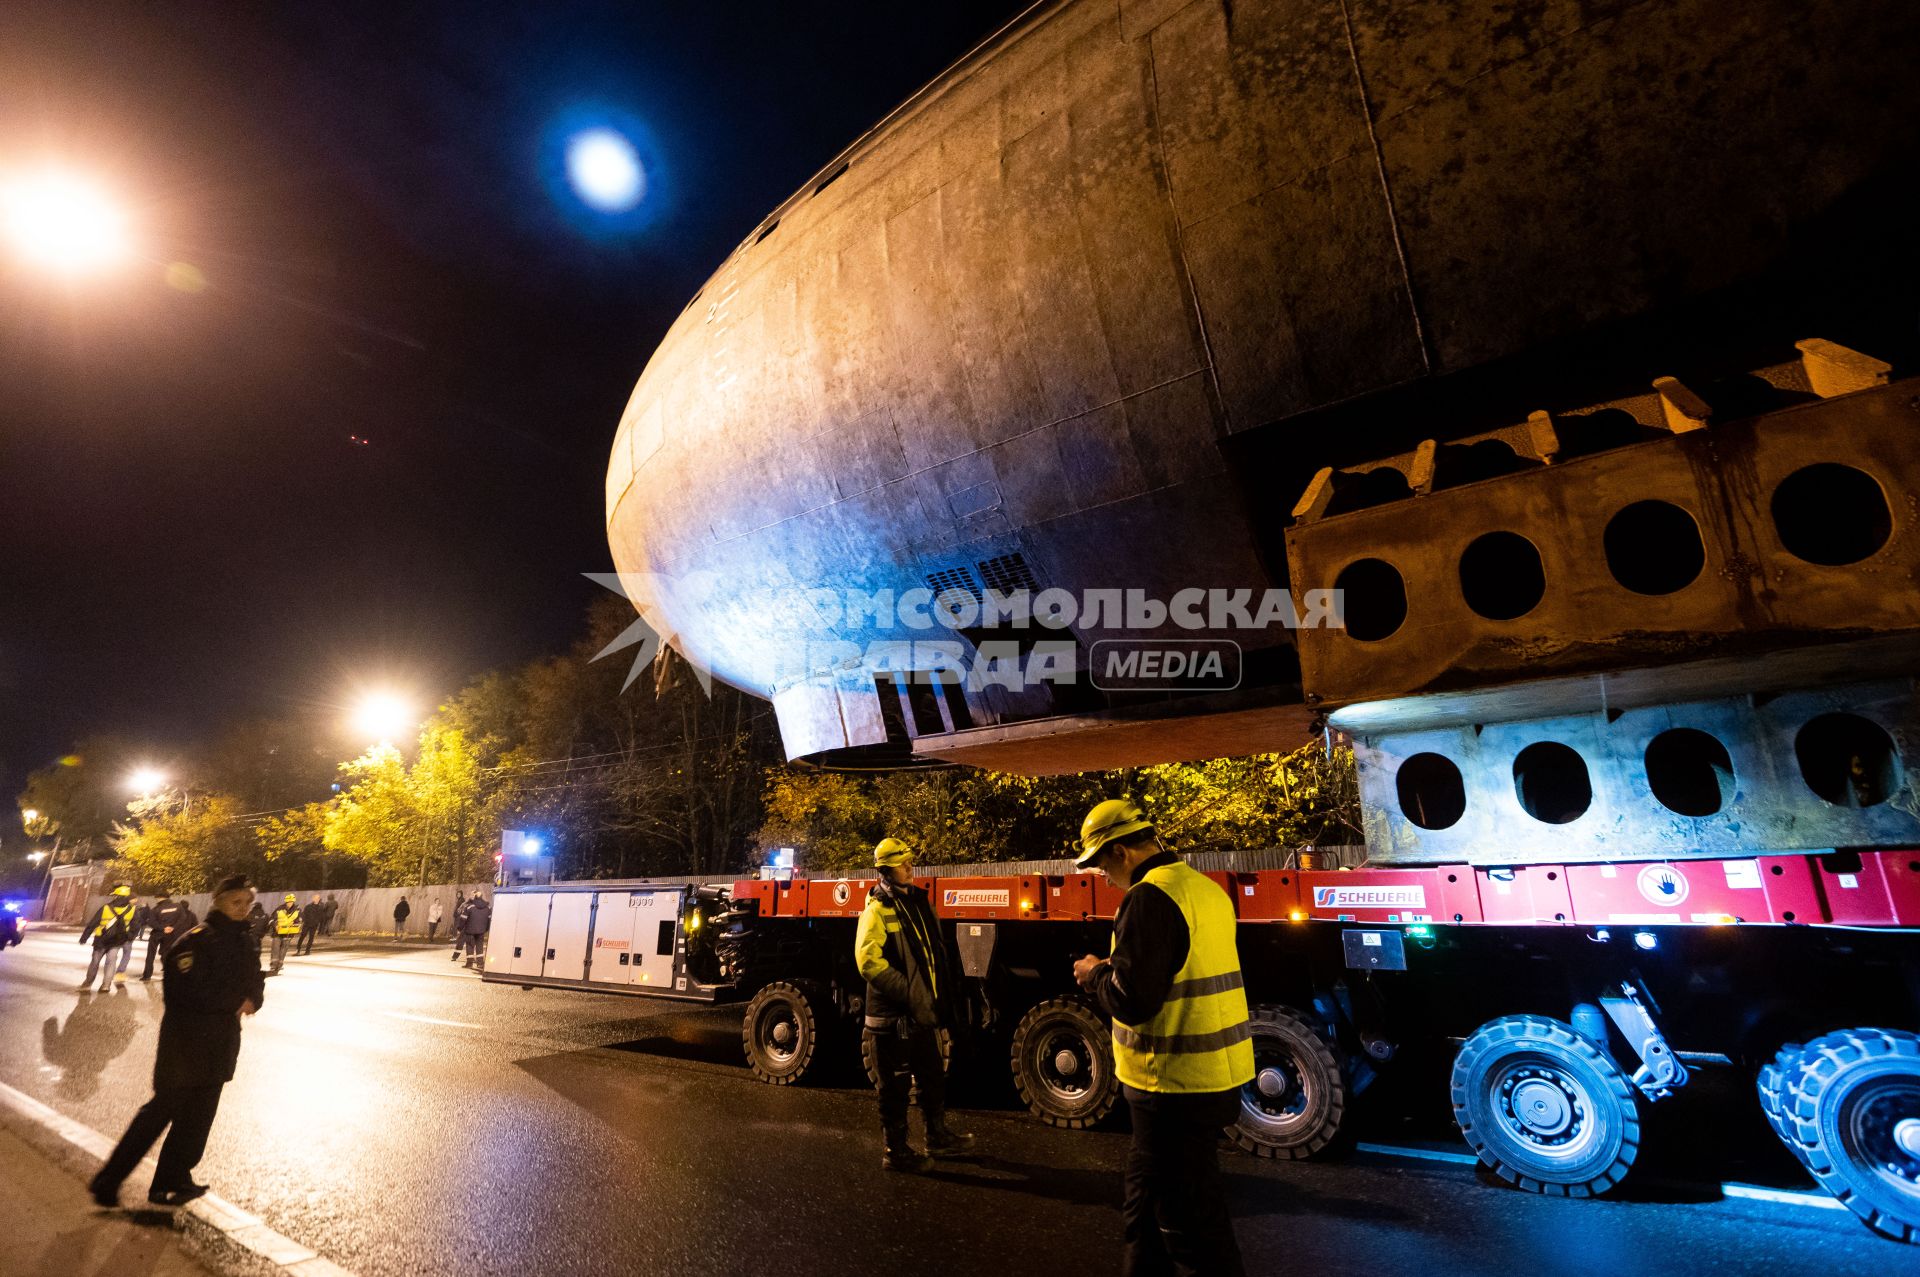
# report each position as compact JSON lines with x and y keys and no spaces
{"x":286,"y":931}
{"x":899,"y":950}
{"x":1182,"y":1045}
{"x":212,"y":979}
{"x":473,"y":930}
{"x":400,"y":912}
{"x":171,"y":919}
{"x":111,"y":931}
{"x":312,"y":918}
{"x":433,"y":921}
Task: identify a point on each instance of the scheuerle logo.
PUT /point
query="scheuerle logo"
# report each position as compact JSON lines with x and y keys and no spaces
{"x":1369,"y":897}
{"x":976,"y":897}
{"x":1180,"y":665}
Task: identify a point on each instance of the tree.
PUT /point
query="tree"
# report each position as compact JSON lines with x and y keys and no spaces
{"x":187,"y":848}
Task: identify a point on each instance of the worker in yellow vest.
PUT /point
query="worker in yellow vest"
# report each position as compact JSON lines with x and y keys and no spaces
{"x":286,"y":930}
{"x":112,"y":933}
{"x":1182,"y":1045}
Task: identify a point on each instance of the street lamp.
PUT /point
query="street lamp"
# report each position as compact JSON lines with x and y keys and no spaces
{"x":145,"y":781}
{"x":381,"y":716}
{"x":64,"y":223}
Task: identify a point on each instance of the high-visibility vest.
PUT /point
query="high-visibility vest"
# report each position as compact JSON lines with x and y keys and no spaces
{"x":286,"y":920}
{"x":1199,"y":1040}
{"x":109,"y":912}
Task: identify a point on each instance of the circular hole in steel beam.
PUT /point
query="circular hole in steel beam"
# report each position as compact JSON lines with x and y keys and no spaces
{"x":1373,"y":599}
{"x":1689,"y":771}
{"x":1432,"y":793}
{"x":1831,"y":514}
{"x":1551,"y":782}
{"x":1501,"y":576}
{"x":1653,"y":547}
{"x":1848,"y":760}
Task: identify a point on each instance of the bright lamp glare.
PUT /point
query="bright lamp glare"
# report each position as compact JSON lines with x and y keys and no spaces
{"x":530,"y":847}
{"x":381,"y":717}
{"x":605,"y":171}
{"x":146,"y":780}
{"x":63,"y":223}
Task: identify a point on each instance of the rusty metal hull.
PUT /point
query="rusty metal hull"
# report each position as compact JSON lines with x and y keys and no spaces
{"x":1038,"y":309}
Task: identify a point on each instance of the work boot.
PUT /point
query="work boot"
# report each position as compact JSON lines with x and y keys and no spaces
{"x":944,"y":1141}
{"x":103,"y":1193}
{"x":119,"y":977}
{"x":176,"y":1196}
{"x":901,"y":1155}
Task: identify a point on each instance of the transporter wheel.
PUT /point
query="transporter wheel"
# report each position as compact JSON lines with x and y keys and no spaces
{"x":872,"y":1066}
{"x":1775,"y":1085}
{"x":1063,"y":1063}
{"x":1297,"y":1100}
{"x":1545,"y":1108}
{"x":782,"y":1029}
{"x":1855,"y":1114}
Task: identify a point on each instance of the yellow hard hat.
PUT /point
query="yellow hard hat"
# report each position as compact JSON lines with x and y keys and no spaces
{"x":1114,"y":818}
{"x":290,"y":898}
{"x":889,"y":852}
{"x":123,"y":890}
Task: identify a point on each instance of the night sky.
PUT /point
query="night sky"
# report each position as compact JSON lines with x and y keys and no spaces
{"x":189,"y":533}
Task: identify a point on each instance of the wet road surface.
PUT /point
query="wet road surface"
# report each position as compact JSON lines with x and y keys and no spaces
{"x":400,"y":1117}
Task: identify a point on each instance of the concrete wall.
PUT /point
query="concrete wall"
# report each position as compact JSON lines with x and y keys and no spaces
{"x":362,"y":909}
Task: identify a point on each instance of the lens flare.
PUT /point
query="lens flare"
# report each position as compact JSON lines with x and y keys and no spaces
{"x":64,"y":223}
{"x":604,"y":170}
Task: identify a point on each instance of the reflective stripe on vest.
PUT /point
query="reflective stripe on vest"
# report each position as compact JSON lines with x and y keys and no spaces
{"x":109,"y":912}
{"x":286,"y":921}
{"x":1200,"y":1039}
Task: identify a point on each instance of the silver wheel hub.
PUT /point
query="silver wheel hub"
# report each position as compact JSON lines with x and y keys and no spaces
{"x":1066,"y":1063}
{"x":1271,"y":1083}
{"x":783,"y":1033}
{"x":1906,"y":1136}
{"x":1542,"y":1107}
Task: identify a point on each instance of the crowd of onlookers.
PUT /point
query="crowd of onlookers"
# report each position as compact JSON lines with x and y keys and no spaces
{"x":123,"y":920}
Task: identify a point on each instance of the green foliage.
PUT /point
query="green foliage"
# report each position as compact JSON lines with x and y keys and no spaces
{"x":185,"y":847}
{"x":958,"y":815}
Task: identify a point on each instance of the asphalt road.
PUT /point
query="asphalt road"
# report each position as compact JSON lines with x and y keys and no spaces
{"x":403,"y":1118}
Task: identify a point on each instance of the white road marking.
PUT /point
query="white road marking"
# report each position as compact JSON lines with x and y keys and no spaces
{"x":1421,"y":1154}
{"x":427,"y":1019}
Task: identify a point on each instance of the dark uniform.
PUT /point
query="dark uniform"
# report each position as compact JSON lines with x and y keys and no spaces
{"x":170,"y":921}
{"x":209,"y":973}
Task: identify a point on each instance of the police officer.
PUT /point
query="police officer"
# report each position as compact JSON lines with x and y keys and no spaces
{"x":1182,"y":1046}
{"x":286,"y":930}
{"x":171,"y":918}
{"x":112,"y":931}
{"x":211,"y":979}
{"x":910,"y":995}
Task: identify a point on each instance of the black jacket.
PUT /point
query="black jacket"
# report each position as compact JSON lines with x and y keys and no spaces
{"x":401,"y":910}
{"x":918,"y":980}
{"x":210,"y":972}
{"x":172,"y":922}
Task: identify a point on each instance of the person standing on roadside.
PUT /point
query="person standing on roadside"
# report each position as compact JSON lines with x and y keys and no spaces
{"x":400,"y":913}
{"x":902,"y":954}
{"x":312,"y":918}
{"x":461,"y":903}
{"x":285,"y":931}
{"x":111,"y":930}
{"x":434,"y":915}
{"x":258,"y":924}
{"x":171,"y":919}
{"x":473,"y":931}
{"x":212,"y":980}
{"x":332,"y":922}
{"x":1182,"y":1040}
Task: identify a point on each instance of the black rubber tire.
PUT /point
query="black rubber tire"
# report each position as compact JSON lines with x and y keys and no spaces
{"x":801,"y":1007}
{"x":1851,"y":1089}
{"x":1072,"y":1098}
{"x":872,"y":1070}
{"x":1541,"y":1065}
{"x":1305,"y":1117}
{"x":1775,"y":1086}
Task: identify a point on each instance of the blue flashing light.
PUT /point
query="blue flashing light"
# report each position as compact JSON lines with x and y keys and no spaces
{"x":604,"y":170}
{"x":530,"y":847}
